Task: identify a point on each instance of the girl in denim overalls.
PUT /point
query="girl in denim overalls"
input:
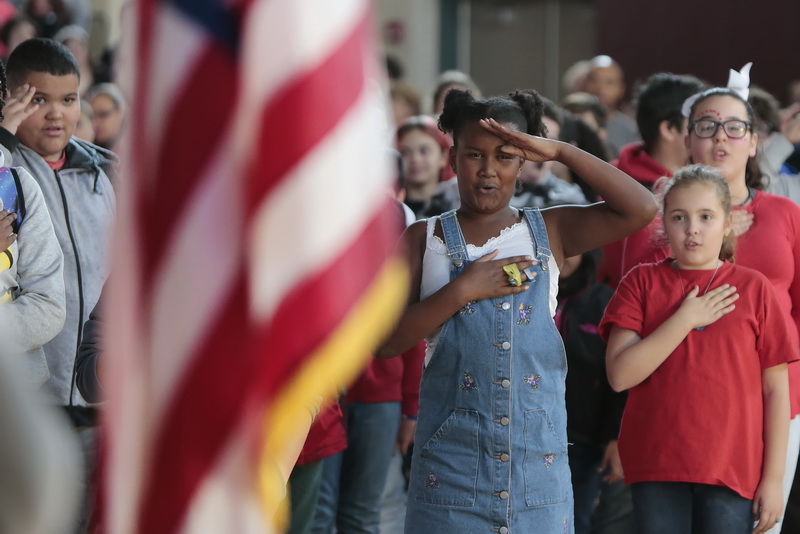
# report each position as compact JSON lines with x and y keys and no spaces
{"x":491,"y":451}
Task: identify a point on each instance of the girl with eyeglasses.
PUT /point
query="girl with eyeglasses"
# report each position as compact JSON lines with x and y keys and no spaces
{"x":768,"y":226}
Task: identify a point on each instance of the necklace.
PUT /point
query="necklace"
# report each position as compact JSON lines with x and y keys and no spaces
{"x":708,"y":285}
{"x":747,"y":199}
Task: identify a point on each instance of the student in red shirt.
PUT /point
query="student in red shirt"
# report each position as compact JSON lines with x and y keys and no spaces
{"x":766,"y":226}
{"x":702,"y":345}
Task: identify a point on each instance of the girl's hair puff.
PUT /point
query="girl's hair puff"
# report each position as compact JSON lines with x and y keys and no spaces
{"x":709,"y":177}
{"x":523,"y":109}
{"x":753,"y":177}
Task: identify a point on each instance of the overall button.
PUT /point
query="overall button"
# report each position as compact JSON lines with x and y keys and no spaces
{"x":505,"y":383}
{"x":504,"y":495}
{"x":506,"y":306}
{"x":503,"y":530}
{"x":506,"y":345}
{"x":504,"y":457}
{"x":504,"y":421}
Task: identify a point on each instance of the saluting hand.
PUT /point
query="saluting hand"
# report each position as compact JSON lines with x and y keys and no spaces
{"x":526,"y":146}
{"x":18,"y":108}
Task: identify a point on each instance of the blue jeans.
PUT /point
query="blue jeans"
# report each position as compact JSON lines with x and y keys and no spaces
{"x":687,"y":508}
{"x":353,"y":480}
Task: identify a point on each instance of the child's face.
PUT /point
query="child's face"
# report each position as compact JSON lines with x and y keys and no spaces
{"x":49,"y":129}
{"x":423,"y":158}
{"x":107,"y":120}
{"x":727,"y":154}
{"x":695,"y":223}
{"x":487,"y":176}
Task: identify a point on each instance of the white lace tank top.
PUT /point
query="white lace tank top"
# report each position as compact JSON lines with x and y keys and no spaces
{"x":513,"y":241}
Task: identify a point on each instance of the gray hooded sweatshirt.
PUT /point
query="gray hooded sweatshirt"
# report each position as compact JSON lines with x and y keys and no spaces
{"x":81,"y":202}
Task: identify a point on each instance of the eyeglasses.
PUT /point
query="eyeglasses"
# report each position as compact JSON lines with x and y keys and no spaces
{"x":734,"y":128}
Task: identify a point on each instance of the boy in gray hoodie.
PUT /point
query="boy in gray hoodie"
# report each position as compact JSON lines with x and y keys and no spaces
{"x":36,"y":134}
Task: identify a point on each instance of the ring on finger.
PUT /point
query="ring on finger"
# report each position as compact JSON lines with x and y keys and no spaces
{"x":514,"y":276}
{"x":530,"y":273}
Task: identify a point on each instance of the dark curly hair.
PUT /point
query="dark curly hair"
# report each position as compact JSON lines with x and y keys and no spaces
{"x":523,"y":109}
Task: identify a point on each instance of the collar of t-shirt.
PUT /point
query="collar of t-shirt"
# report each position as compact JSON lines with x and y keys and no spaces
{"x":57,"y":165}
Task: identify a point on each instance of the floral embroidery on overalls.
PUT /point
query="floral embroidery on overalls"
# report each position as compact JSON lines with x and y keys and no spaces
{"x":432,"y":483}
{"x":533,"y":381}
{"x":468,"y":308}
{"x":566,"y":526}
{"x":524,"y":314}
{"x":468,"y":383}
{"x":548,"y":459}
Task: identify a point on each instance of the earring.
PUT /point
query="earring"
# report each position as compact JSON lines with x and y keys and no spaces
{"x":518,"y":187}
{"x":727,"y":232}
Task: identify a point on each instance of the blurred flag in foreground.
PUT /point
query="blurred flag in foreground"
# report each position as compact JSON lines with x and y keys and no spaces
{"x":252,"y":265}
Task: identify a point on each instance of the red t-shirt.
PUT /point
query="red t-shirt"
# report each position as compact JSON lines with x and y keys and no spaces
{"x":772,"y":247}
{"x":59,"y":164}
{"x":326,"y":436}
{"x":699,"y":416}
{"x":395,"y":379}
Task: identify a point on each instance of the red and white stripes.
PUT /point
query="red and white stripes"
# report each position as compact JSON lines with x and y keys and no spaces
{"x":253,"y":227}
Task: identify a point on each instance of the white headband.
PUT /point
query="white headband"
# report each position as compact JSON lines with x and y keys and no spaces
{"x":738,"y":82}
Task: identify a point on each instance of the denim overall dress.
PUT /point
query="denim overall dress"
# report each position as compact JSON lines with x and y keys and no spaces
{"x":490,"y":449}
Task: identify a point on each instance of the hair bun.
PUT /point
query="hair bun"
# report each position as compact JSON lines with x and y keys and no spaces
{"x":454,"y":102}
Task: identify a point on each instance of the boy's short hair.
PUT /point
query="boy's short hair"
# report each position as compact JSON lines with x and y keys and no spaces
{"x":660,"y":98}
{"x":39,"y":55}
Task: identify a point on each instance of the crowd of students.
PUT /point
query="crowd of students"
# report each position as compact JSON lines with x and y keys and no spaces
{"x":562,"y":365}
{"x":687,"y":421}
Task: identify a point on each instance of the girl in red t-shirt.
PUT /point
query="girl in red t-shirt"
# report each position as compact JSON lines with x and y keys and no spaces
{"x":702,"y":345}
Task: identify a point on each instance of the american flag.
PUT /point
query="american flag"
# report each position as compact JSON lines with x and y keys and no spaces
{"x":252,"y":272}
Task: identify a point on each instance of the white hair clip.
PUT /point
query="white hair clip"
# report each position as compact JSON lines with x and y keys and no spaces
{"x":740,"y":81}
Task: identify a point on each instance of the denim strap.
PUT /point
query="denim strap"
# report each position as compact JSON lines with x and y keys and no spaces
{"x":453,"y":239}
{"x":541,"y":243}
